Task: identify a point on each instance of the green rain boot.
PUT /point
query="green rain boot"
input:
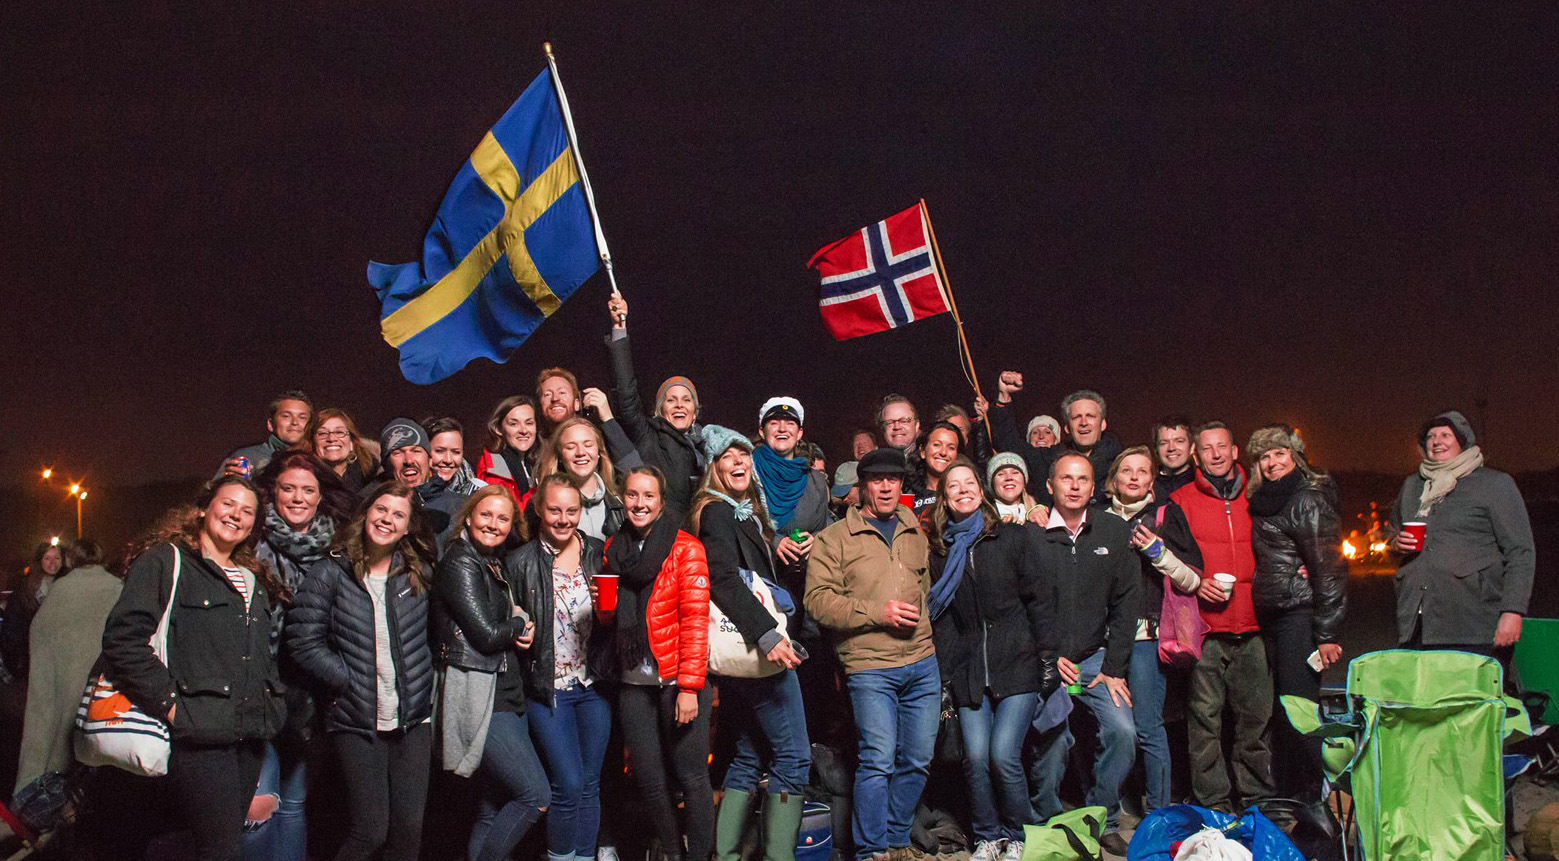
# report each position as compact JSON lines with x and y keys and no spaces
{"x":781,"y":823}
{"x":730,"y":823}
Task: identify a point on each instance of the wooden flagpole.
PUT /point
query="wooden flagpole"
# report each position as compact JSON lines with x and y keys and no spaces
{"x":579,"y":162}
{"x":952,"y":305}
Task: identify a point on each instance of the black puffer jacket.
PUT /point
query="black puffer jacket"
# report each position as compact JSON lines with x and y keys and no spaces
{"x":672,"y":451}
{"x":529,"y":571}
{"x":473,"y":625}
{"x":220,"y":669}
{"x":1002,"y":630}
{"x":330,"y":634}
{"x":1295,"y":522}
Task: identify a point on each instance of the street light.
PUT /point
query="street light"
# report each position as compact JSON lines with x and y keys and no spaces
{"x":48,"y":472}
{"x":54,"y":541}
{"x":80,"y":493}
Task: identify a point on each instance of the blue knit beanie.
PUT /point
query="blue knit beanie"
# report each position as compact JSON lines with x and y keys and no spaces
{"x":716,"y":439}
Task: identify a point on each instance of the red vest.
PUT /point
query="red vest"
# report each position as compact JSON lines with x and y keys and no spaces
{"x":1222,"y":531}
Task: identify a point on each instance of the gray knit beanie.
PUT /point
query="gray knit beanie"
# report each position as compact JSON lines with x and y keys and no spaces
{"x":1456,"y":422}
{"x":1002,"y":461}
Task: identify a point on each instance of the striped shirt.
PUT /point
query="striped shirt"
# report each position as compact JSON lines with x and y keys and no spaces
{"x":240,"y":580}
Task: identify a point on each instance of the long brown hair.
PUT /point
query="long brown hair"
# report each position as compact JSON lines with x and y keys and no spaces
{"x":940,"y":515}
{"x":713,"y":482}
{"x":417,"y":547}
{"x":362,"y":456}
{"x":181,"y":525}
{"x":551,"y":460}
{"x":335,"y":501}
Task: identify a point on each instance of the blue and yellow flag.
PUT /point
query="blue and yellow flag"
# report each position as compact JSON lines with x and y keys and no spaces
{"x":511,"y":241}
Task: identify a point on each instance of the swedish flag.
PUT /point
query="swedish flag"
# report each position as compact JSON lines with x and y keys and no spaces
{"x":512,"y":240}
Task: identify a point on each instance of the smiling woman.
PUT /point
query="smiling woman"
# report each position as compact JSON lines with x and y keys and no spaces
{"x":218,"y":688}
{"x":358,"y":630}
{"x":578,"y":450}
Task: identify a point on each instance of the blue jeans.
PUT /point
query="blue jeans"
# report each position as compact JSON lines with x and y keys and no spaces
{"x":513,"y":789}
{"x":896,"y":714}
{"x":283,"y":837}
{"x":771,"y":728}
{"x":1148,"y":687}
{"x":571,"y":738}
{"x":1117,"y":750}
{"x":993,"y":764}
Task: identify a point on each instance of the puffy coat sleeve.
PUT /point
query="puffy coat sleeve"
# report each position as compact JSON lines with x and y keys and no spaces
{"x":717,"y":532}
{"x":127,"y":652}
{"x":306,"y":637}
{"x":692,"y":613}
{"x":458,"y":585}
{"x":1318,"y":538}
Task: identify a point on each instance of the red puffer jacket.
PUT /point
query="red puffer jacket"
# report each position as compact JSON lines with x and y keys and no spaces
{"x":677,"y":617}
{"x":1222,"y":529}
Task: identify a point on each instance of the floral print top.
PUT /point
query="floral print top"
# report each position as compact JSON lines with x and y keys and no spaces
{"x":571,"y":621}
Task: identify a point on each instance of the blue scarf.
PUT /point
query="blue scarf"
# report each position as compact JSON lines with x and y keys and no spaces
{"x":744,"y":509}
{"x":782,"y":483}
{"x":958,"y":536}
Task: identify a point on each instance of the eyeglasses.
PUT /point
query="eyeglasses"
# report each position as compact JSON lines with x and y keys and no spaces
{"x":331,"y":434}
{"x":892,"y":422}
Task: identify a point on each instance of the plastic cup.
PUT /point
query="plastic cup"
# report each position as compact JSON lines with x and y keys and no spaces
{"x":1416,"y":529}
{"x":1226,"y":583}
{"x":606,"y":593}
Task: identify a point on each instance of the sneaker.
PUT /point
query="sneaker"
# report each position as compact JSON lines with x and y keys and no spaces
{"x":986,"y":850}
{"x":1113,"y":843}
{"x":1013,"y":851}
{"x":606,"y":853}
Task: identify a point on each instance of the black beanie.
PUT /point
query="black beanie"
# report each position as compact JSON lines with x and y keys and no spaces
{"x":1460,"y":427}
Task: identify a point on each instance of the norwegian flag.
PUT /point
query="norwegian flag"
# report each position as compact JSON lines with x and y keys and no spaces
{"x":880,"y":277}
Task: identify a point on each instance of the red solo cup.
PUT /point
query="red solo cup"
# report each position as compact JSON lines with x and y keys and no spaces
{"x":907,"y":500}
{"x":1416,"y":529}
{"x":606,"y":593}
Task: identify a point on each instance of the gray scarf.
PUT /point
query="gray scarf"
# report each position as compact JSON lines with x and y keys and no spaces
{"x":1440,"y":478}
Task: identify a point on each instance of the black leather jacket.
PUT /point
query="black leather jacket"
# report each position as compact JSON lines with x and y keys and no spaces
{"x":1305,"y":531}
{"x":529,"y":570}
{"x":473,"y":620}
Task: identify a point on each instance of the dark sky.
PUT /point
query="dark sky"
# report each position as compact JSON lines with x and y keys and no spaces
{"x":1340,"y":217}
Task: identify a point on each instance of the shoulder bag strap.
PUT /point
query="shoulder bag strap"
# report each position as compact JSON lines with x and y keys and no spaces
{"x":160,"y":638}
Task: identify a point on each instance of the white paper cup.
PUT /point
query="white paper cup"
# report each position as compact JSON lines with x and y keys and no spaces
{"x":1226,"y":583}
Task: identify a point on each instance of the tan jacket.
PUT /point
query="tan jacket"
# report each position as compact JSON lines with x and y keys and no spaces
{"x":853,"y":573}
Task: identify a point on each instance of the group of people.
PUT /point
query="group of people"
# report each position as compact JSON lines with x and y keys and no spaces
{"x":605,"y":564}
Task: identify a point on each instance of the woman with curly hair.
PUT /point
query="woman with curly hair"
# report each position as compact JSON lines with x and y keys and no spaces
{"x":358,"y":629}
{"x":219,"y":691}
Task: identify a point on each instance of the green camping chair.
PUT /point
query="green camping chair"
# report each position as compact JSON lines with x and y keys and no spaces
{"x":1421,"y":748}
{"x":1537,"y":667}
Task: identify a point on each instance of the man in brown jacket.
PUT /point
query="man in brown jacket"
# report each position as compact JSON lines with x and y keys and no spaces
{"x":866,"y":583}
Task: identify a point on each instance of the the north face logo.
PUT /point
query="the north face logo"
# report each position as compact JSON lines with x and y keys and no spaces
{"x":1101,"y":551}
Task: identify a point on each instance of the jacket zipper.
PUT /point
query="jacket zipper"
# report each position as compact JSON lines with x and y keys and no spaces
{"x":985,"y":627}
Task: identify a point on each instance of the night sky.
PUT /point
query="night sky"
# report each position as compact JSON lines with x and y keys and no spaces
{"x":1340,"y":217}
